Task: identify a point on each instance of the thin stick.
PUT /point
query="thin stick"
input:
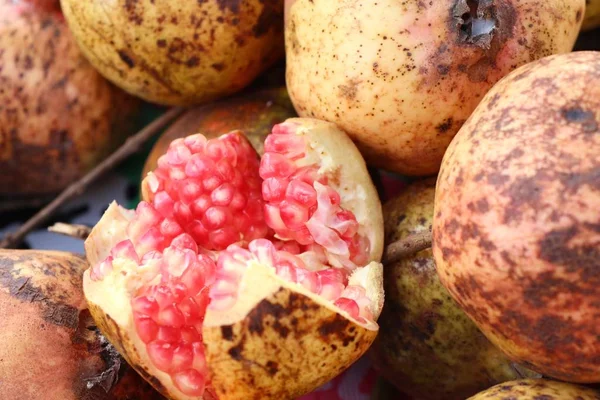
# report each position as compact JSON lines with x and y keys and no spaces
{"x":131,"y":146}
{"x":406,"y":247}
{"x":72,"y":230}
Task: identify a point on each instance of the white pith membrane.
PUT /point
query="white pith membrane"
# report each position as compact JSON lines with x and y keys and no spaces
{"x":212,"y":217}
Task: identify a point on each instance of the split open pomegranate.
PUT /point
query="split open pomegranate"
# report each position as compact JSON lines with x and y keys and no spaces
{"x":238,"y":277}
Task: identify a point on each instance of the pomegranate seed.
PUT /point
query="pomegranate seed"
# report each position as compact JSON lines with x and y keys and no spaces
{"x":163,"y":203}
{"x":211,"y":182}
{"x":146,"y":328}
{"x":193,"y":279}
{"x":238,"y":202}
{"x":273,"y":218}
{"x":145,"y":306}
{"x":198,"y":232}
{"x":208,"y":268}
{"x":349,"y":306}
{"x":183,"y":357}
{"x":163,"y":296}
{"x":221,"y":302}
{"x":199,"y":166}
{"x":223,"y":195}
{"x":275,"y":165}
{"x":189,"y":334}
{"x":302,"y":193}
{"x":168,"y":334}
{"x":274,"y":189}
{"x":185,"y":241}
{"x":190,"y":382}
{"x":151,"y":255}
{"x":333,"y":275}
{"x":215,"y":218}
{"x":124,"y":249}
{"x":103,"y":268}
{"x":190,"y":311}
{"x":190,"y":191}
{"x":183,"y":214}
{"x":195,"y":142}
{"x":225,"y":169}
{"x":151,"y":240}
{"x":171,"y":316}
{"x":202,"y":299}
{"x":309,"y":280}
{"x":286,"y":271}
{"x":292,"y":214}
{"x":153,"y":183}
{"x":170,"y":228}
{"x":331,"y":291}
{"x":199,"y":357}
{"x":263,"y":250}
{"x":161,"y":354}
{"x":327,"y":237}
{"x":178,"y":154}
{"x":293,"y":147}
{"x":221,"y":238}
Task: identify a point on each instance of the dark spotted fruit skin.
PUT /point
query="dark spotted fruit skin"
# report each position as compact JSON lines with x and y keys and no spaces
{"x":58,"y":116}
{"x":51,"y":348}
{"x":516,"y":233}
{"x":401,"y":77}
{"x":178,"y":52}
{"x":427,"y":346}
{"x":537,"y":389}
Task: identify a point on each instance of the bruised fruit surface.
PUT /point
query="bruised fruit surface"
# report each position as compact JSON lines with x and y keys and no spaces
{"x":243,"y":277}
{"x":427,"y":346}
{"x":51,"y":348}
{"x":516,"y":234}
{"x":537,"y":389}
{"x":183,"y":53}
{"x":401,"y":77}
{"x":59,"y":117}
{"x":591,"y":19}
{"x":254,"y":113}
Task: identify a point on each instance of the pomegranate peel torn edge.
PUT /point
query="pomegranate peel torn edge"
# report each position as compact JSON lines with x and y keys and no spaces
{"x":279,"y":339}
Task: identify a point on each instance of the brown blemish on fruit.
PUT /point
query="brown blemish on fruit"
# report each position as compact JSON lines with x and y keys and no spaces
{"x":555,"y":248}
{"x":231,"y":5}
{"x":578,"y":115}
{"x":270,"y":18}
{"x":227,"y":331}
{"x":349,"y":90}
{"x":445,"y":125}
{"x":259,"y":318}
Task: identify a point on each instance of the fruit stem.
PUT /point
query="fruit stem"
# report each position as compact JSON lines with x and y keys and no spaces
{"x":131,"y":145}
{"x":71,"y":230}
{"x":407,"y":246}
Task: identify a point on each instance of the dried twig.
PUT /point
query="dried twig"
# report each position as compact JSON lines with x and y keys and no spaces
{"x":407,"y":246}
{"x":131,"y":146}
{"x":72,"y":230}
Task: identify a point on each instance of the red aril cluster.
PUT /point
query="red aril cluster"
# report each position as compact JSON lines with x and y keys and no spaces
{"x":212,"y":209}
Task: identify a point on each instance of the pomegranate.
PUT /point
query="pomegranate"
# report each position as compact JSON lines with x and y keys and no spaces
{"x":51,"y":348}
{"x":401,"y":77}
{"x":178,"y":53}
{"x":516,"y":231}
{"x":254,"y":113}
{"x":537,"y":389}
{"x":238,"y":277}
{"x":58,"y":116}
{"x":427,"y":346}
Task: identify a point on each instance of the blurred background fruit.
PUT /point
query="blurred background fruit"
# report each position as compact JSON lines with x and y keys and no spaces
{"x":402,"y":77}
{"x":252,"y":112}
{"x":58,"y":116}
{"x":183,"y":53}
{"x":591,"y":20}
{"x":427,"y":346}
{"x":516,"y":236}
{"x":537,"y":389}
{"x":51,"y":348}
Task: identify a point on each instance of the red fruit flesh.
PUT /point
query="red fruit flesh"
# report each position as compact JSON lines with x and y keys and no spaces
{"x":212,"y":210}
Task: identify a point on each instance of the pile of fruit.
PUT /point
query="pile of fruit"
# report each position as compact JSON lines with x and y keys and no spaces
{"x":414,"y":183}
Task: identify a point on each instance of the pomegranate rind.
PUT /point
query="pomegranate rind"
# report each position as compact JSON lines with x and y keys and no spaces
{"x":288,"y":344}
{"x":48,"y":349}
